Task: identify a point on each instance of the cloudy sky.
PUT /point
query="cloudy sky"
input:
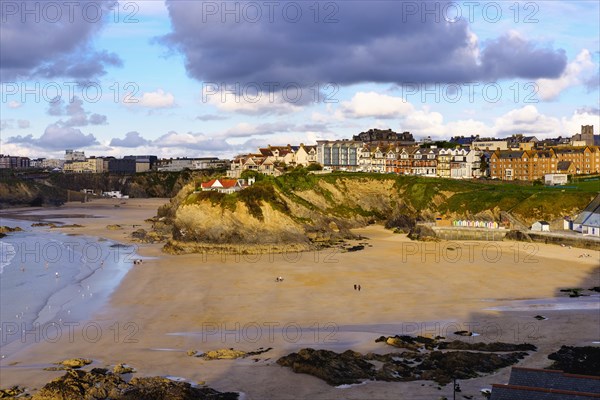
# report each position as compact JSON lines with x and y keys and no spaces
{"x":199,"y":78}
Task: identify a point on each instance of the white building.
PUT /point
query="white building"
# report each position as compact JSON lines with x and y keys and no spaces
{"x":174,"y":165}
{"x":51,"y":163}
{"x":555,"y":179}
{"x":490,"y":145}
{"x":115,"y":194}
{"x":74,"y":155}
{"x":540,"y":226}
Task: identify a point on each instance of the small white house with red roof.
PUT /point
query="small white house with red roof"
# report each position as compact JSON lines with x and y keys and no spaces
{"x":223,"y":185}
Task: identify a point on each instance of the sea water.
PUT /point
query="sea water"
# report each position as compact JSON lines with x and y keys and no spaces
{"x":50,"y":282}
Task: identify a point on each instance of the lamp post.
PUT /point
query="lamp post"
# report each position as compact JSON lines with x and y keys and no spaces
{"x":454,"y":388}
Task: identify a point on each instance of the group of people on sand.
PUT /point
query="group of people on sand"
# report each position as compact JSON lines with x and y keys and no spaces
{"x":357,"y":287}
{"x":279,"y":279}
{"x":584,"y":255}
{"x":137,"y":261}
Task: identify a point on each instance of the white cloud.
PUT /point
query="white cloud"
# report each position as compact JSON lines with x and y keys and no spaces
{"x":576,"y":73}
{"x":193,"y":141}
{"x":248,"y":101}
{"x":157,"y":99}
{"x":572,"y":124}
{"x":425,"y":122}
{"x":526,"y":120}
{"x":372,"y":104}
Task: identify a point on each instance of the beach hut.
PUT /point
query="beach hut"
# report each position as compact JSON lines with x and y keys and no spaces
{"x":540,"y":226}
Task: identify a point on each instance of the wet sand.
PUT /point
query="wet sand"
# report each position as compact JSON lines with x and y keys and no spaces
{"x":171,"y":304}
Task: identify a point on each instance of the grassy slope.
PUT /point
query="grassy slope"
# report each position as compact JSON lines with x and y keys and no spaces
{"x":331,"y":195}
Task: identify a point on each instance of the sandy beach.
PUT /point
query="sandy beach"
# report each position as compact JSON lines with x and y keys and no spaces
{"x":171,"y":304}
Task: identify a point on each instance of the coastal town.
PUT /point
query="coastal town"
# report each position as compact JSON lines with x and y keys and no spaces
{"x":515,"y":158}
{"x":282,"y":200}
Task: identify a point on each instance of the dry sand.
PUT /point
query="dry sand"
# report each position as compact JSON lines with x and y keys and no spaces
{"x":171,"y":304}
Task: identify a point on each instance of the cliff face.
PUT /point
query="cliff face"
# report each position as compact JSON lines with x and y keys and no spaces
{"x":213,"y":224}
{"x":304,"y":210}
{"x":39,"y":188}
{"x":29,"y":193}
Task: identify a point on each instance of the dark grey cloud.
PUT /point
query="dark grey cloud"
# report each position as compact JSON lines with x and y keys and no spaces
{"x":592,"y":83}
{"x":373,"y":41}
{"x":53,"y":40}
{"x":211,"y":117}
{"x":56,"y":107}
{"x":588,"y":110}
{"x":6,"y":124}
{"x":63,"y":134}
{"x":76,"y":113}
{"x":57,"y":137}
{"x":97,"y":119}
{"x":84,"y":64}
{"x":131,"y":139}
{"x":9,"y":124}
{"x":512,"y":56}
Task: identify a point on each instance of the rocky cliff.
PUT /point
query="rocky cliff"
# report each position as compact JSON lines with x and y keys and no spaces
{"x":300,"y":210}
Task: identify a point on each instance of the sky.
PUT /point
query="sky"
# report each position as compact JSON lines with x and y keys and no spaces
{"x":180,"y":78}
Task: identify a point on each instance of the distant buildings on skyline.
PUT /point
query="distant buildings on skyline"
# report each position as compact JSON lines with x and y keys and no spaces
{"x":518,"y":157}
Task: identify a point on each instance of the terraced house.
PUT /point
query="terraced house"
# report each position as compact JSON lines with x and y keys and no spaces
{"x":529,"y":165}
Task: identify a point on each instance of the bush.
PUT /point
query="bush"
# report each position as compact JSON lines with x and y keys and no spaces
{"x":247,"y":174}
{"x":254,"y":196}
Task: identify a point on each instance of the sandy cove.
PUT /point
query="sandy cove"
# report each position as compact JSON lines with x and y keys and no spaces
{"x":171,"y":304}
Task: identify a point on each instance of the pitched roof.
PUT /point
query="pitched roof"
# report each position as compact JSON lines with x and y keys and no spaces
{"x":563,"y":165}
{"x":590,"y":216}
{"x":541,"y":384}
{"x":511,"y":154}
{"x":220,"y":183}
{"x":265,"y":152}
{"x":570,"y":150}
{"x":228,"y":183}
{"x":514,"y":392}
{"x":208,"y":184}
{"x":553,"y":379}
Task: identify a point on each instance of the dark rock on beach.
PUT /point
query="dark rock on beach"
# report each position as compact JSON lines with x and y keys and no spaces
{"x":334,"y":368}
{"x":442,"y":367}
{"x":408,"y":342}
{"x":423,"y":233}
{"x":487,"y":347}
{"x":577,"y":360}
{"x":99,"y":383}
{"x":11,"y":392}
{"x":401,"y":223}
{"x":7,"y":229}
{"x":40,"y":224}
{"x":418,"y":363}
{"x":463,"y":333}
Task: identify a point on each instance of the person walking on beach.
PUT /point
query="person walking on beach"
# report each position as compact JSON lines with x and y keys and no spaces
{"x":355,"y":287}
{"x":359,"y":288}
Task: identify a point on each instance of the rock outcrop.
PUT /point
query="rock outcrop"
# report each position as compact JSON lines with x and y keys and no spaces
{"x":99,"y":383}
{"x":425,"y":358}
{"x":577,"y":360}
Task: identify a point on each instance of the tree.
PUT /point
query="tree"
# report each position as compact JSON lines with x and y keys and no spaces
{"x":314,"y":167}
